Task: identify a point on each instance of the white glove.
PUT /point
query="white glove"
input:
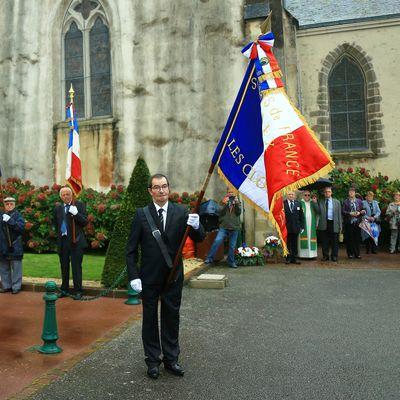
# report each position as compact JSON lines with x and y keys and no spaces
{"x":194,"y":221}
{"x":6,"y":217}
{"x":301,"y":231}
{"x":73,"y":210}
{"x":136,"y":285}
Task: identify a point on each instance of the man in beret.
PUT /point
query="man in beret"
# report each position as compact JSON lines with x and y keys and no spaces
{"x":12,"y":226}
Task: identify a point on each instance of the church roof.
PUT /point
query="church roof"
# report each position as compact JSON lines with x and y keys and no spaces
{"x":314,"y":13}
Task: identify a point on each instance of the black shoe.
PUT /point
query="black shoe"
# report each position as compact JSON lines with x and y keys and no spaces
{"x":334,"y":259}
{"x":78,"y":296}
{"x":287,"y":262}
{"x":15,"y":291}
{"x":175,"y":369}
{"x":62,"y":294}
{"x":153,"y":371}
{"x":358,"y":257}
{"x":295,"y":262}
{"x":5,"y":290}
{"x":374,"y":252}
{"x":325,"y":259}
{"x":350,"y":256}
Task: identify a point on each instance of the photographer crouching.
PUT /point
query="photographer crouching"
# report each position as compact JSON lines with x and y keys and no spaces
{"x":229,"y":227}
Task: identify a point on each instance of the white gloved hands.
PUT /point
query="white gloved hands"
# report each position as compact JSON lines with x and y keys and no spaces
{"x":6,"y":217}
{"x":301,"y":231}
{"x":136,"y":285}
{"x":73,"y":210}
{"x":194,"y":221}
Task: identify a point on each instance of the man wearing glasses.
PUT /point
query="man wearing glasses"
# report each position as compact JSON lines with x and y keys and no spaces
{"x":170,"y":221}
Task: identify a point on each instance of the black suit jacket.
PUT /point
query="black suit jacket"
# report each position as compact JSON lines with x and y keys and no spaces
{"x":153,"y":268}
{"x":80,"y":222}
{"x":295,"y":218}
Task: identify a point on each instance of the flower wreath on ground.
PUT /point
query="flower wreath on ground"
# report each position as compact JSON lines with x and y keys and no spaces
{"x":272,"y":247}
{"x":246,"y":256}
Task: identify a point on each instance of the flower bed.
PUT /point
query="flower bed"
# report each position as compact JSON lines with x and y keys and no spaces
{"x":248,"y":256}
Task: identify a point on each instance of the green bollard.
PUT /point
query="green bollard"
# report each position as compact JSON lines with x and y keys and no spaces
{"x":133,"y":297}
{"x":50,"y":334}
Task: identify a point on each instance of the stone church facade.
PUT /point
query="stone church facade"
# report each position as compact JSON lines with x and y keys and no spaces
{"x":157,"y":79}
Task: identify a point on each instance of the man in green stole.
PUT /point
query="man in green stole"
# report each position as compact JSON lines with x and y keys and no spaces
{"x":308,"y":238}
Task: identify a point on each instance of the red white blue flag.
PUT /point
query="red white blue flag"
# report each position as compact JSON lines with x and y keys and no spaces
{"x":267,"y":148}
{"x":73,"y":173}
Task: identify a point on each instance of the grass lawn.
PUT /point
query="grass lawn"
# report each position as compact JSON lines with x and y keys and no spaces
{"x":48,"y":266}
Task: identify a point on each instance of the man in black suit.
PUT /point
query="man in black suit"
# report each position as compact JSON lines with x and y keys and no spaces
{"x":294,"y":225}
{"x":69,"y":221}
{"x":151,"y":278}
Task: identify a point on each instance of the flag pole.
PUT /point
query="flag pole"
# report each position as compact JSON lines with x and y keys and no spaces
{"x":264,"y":27}
{"x":71,"y":98}
{"x":172,"y":275}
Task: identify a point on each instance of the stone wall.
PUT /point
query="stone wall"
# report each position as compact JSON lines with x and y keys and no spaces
{"x":375,"y":47}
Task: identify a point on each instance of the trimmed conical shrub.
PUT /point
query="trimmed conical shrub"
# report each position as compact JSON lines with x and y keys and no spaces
{"x":136,"y":196}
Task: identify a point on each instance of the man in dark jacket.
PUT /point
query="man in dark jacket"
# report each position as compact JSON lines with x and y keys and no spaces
{"x":11,"y":252}
{"x":294,"y":225}
{"x":353,"y":211}
{"x":151,"y":279}
{"x":329,"y":223}
{"x":229,"y":227}
{"x":69,"y":221}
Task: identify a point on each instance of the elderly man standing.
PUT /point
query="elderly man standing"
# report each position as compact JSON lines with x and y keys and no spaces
{"x":11,"y":251}
{"x":69,"y":221}
{"x":294,"y":225}
{"x":329,"y":224}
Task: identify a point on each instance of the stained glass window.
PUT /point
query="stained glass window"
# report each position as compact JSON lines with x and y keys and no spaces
{"x":100,"y":69}
{"x":87,"y":59}
{"x":74,"y":72}
{"x":346,"y":87}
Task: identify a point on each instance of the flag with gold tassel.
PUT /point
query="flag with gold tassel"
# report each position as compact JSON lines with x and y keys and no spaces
{"x":267,"y":147}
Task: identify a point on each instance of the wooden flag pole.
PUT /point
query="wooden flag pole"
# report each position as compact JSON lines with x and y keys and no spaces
{"x":71,"y":97}
{"x":172,"y":275}
{"x":264,"y":27}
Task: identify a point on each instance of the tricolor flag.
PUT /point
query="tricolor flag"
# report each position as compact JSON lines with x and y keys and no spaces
{"x":73,"y":173}
{"x":267,"y":148}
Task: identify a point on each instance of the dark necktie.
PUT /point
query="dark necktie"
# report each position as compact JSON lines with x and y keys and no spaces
{"x":291,"y":206}
{"x":64,"y":222}
{"x":327,"y":205}
{"x":160,"y":215}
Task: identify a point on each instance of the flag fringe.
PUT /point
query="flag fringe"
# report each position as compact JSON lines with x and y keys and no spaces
{"x":71,"y":186}
{"x":257,"y":208}
{"x":250,"y":202}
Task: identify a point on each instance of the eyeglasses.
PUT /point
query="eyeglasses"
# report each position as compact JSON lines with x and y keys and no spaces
{"x":159,"y":188}
{"x":306,"y":195}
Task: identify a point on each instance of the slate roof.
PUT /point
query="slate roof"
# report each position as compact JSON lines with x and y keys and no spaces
{"x":313,"y":13}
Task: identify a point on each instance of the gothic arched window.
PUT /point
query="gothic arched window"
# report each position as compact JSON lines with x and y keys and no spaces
{"x":346,"y":86}
{"x":87,"y":59}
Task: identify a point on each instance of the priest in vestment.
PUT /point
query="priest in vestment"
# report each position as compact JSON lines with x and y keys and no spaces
{"x":308,"y":238}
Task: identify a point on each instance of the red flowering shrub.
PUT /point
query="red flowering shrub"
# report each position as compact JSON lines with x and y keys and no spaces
{"x":37,"y":204}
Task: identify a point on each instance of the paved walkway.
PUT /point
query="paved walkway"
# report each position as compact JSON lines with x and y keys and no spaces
{"x":83,"y":327}
{"x":273,"y":333}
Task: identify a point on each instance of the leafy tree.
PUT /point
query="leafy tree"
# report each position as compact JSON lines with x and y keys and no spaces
{"x":136,"y":196}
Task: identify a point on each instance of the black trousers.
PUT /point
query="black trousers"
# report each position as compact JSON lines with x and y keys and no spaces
{"x":329,"y":239}
{"x":292,"y":246}
{"x":70,"y":254}
{"x":352,"y":237}
{"x":370,"y":245}
{"x":170,"y":300}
